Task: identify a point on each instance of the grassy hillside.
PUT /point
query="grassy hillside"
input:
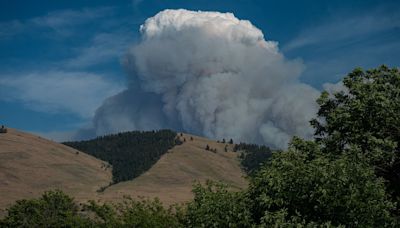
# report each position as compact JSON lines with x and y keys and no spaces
{"x":172,"y":177}
{"x":30,"y":165}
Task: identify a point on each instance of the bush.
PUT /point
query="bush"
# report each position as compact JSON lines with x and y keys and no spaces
{"x":215,"y":206}
{"x":252,"y":156}
{"x":3,"y":129}
{"x":53,"y":209}
{"x":133,"y":213}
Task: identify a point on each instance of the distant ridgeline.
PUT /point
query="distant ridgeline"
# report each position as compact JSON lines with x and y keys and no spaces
{"x":130,"y":153}
{"x":252,"y":156}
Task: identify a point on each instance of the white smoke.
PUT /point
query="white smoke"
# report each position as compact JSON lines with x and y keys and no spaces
{"x":333,"y":88}
{"x":212,"y":74}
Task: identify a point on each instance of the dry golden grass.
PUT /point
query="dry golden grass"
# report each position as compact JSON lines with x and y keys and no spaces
{"x":172,"y":177}
{"x":29,"y":165}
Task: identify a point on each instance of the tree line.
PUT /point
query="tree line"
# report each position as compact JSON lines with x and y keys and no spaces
{"x":252,"y":156}
{"x":129,"y":153}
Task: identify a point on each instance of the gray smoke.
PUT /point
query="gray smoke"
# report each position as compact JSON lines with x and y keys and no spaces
{"x":211,"y":74}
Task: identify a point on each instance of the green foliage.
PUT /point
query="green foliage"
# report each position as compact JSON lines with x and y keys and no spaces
{"x":130,"y":153}
{"x":365,"y":115}
{"x":133,"y":213}
{"x":333,"y":181}
{"x":308,"y":188}
{"x":53,"y":209}
{"x":3,"y":129}
{"x":215,"y":206}
{"x":252,"y":156}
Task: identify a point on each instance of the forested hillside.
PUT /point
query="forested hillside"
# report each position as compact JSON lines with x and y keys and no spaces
{"x":129,"y":153}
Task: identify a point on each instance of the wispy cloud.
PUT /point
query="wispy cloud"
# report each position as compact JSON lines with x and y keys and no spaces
{"x":333,"y":48}
{"x":62,"y":18}
{"x":10,"y":28}
{"x":66,"y":21}
{"x":58,"y":136}
{"x":78,"y":93}
{"x":344,"y":28}
{"x":64,"y":83}
{"x":136,"y":2}
{"x":99,"y":36}
{"x":103,"y":48}
{"x":63,"y":22}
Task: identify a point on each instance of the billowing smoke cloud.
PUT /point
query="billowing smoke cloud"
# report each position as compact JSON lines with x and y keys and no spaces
{"x":211,"y":74}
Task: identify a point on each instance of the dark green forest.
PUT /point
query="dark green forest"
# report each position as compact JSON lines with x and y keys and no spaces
{"x":252,"y":156}
{"x":129,"y":153}
{"x":348,"y":175}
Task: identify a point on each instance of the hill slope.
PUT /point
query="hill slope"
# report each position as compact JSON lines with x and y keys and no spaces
{"x":30,"y":165}
{"x":172,"y":177}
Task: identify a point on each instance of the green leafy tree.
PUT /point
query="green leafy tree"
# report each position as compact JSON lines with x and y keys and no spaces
{"x":305,"y":187}
{"x":53,"y":209}
{"x":134,"y":213}
{"x":215,"y":206}
{"x":56,"y":209}
{"x":252,"y":156}
{"x":367,"y":115}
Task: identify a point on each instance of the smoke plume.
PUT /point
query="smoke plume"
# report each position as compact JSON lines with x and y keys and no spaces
{"x":211,"y":74}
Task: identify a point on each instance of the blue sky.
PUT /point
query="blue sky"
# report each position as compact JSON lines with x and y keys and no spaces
{"x":60,"y":59}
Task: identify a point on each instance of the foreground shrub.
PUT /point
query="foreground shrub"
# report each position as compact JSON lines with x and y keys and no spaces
{"x":53,"y":209}
{"x":215,"y":206}
{"x":133,"y":213}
